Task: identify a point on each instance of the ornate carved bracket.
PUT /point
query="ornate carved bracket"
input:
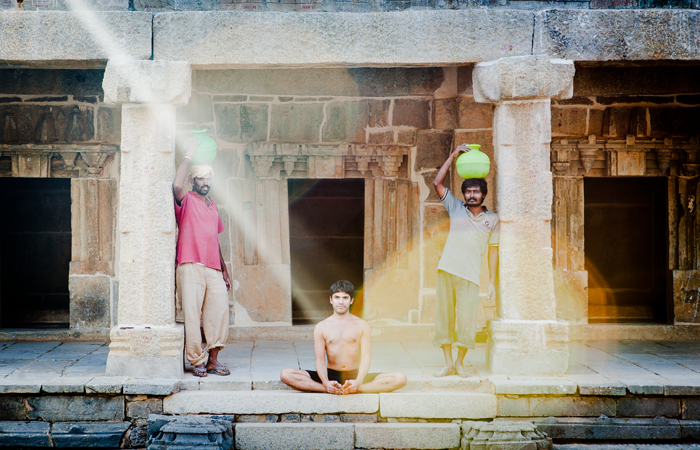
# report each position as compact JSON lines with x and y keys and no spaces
{"x":632,"y":156}
{"x":55,"y":160}
{"x":326,"y":161}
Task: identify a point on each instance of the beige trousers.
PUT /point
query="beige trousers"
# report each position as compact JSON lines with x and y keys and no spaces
{"x":202,"y":291}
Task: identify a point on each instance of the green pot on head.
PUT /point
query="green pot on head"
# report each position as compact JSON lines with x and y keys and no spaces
{"x":474,"y":163}
{"x":206,"y":151}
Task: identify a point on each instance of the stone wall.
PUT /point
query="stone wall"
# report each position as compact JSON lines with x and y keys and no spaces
{"x":627,"y":121}
{"x":53,"y":124}
{"x":392,"y":127}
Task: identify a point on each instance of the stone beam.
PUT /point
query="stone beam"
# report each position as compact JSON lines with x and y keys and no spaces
{"x":618,"y":35}
{"x":409,"y":38}
{"x":147,"y":342}
{"x":80,"y":39}
{"x":526,"y":338}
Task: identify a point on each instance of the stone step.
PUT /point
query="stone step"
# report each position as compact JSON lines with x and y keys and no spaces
{"x":419,"y":405}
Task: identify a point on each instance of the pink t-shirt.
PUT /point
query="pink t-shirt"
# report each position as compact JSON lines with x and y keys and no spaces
{"x":199,"y":226}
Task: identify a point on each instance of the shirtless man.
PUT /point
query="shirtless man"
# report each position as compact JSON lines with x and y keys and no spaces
{"x":345,"y":339}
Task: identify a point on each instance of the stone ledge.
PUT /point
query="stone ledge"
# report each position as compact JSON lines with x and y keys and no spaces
{"x":532,"y":386}
{"x":267,"y":402}
{"x":69,"y":39}
{"x":407,"y":435}
{"x":438,"y":405}
{"x":607,"y":35}
{"x":409,"y":38}
{"x":263,"y":436}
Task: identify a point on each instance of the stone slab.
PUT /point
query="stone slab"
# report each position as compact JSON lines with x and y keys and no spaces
{"x":24,"y":383}
{"x":341,"y":39}
{"x":610,"y":35}
{"x":69,"y":408}
{"x":267,"y":402}
{"x":106,"y":385}
{"x":70,"y":39}
{"x":283,"y":436}
{"x":66,"y":385}
{"x":438,"y":405}
{"x":229,"y":383}
{"x":608,"y":388}
{"x":88,"y":434}
{"x":611,"y":429}
{"x":533,"y":386}
{"x":127,"y":81}
{"x":451,"y":382}
{"x":24,"y":434}
{"x":153,"y":386}
{"x":407,"y":435}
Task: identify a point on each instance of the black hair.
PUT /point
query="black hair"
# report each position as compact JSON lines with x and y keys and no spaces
{"x":343,"y":286}
{"x":471,"y":182}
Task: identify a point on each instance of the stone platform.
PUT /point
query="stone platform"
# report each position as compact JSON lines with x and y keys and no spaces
{"x":613,"y":390}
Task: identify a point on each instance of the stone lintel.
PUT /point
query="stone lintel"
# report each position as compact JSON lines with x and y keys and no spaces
{"x":73,"y":39}
{"x":523,"y":78}
{"x":386,"y":39}
{"x":147,"y":82}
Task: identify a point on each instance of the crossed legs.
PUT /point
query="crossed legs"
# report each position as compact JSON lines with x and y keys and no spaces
{"x":301,"y":380}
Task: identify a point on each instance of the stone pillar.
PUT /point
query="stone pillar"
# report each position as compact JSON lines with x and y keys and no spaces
{"x":147,"y":342}
{"x":526,"y":338}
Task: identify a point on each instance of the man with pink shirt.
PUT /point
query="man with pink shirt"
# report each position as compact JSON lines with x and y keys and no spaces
{"x":202,"y":278}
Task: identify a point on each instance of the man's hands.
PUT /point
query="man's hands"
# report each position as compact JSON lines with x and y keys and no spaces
{"x":333,"y":387}
{"x":227,"y":280}
{"x":191,"y":146}
{"x":459,"y":150}
{"x":349,"y":387}
{"x":492,"y":291}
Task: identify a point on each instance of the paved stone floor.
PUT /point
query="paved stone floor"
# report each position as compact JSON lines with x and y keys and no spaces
{"x":257,"y":364}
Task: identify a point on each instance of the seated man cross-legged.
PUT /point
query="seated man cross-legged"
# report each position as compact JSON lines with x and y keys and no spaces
{"x":345,"y":339}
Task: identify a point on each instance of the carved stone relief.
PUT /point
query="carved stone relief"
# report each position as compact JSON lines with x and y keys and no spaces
{"x":57,"y":161}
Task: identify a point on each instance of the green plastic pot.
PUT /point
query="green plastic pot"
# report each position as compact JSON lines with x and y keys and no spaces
{"x":474,"y":163}
{"x":206,"y":151}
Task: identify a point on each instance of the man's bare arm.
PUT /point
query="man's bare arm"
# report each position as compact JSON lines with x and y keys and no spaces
{"x":181,"y":174}
{"x":351,"y":386}
{"x":332,"y":387}
{"x":224,"y":270}
{"x":439,"y":180}
{"x":493,"y":267}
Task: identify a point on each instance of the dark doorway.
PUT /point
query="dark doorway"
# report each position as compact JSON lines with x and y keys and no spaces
{"x":626,"y":249}
{"x":35,"y":252}
{"x":326,"y":238}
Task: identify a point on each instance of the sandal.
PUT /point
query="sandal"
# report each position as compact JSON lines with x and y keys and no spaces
{"x":199,"y":372}
{"x":219,"y":370}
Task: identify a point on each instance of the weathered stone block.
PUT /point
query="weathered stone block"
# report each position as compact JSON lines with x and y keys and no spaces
{"x":198,"y":109}
{"x":241,"y":123}
{"x":261,"y":418}
{"x":407,"y":435}
{"x":152,"y":386}
{"x":25,"y":434}
{"x":631,"y":80}
{"x":527,"y":347}
{"x":513,"y":407}
{"x":474,"y":115}
{"x":524,"y":123}
{"x":612,"y":389}
{"x":691,"y":408}
{"x":409,"y":37}
{"x":503,"y":434}
{"x":649,"y":407}
{"x":190,"y":432}
{"x":533,"y":386}
{"x":105,"y":385}
{"x":155,"y":352}
{"x":53,"y":82}
{"x":381,"y":137}
{"x":89,"y":301}
{"x":525,"y":195}
{"x":604,"y":428}
{"x":24,"y":383}
{"x":293,"y":436}
{"x":296,"y":122}
{"x":346,"y":121}
{"x":411,"y":113}
{"x":88,"y":434}
{"x":673,"y":121}
{"x":446,"y":114}
{"x":624,"y":35}
{"x":63,"y":408}
{"x":140,"y":409}
{"x":571,"y":291}
{"x":109,"y":125}
{"x":433,"y":148}
{"x":438,"y":405}
{"x":66,"y":385}
{"x":131,"y":30}
{"x":569,"y":121}
{"x":407,"y":137}
{"x":267,"y":402}
{"x":572,"y":406}
{"x":435,"y":230}
{"x":363,"y":418}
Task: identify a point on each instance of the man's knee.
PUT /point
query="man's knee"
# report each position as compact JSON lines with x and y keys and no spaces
{"x":286,"y":375}
{"x":400,"y":380}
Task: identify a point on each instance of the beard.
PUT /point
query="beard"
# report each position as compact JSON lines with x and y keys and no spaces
{"x":471,"y":201}
{"x":201,"y":190}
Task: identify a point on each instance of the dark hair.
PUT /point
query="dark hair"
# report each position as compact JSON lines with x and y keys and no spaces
{"x":343,"y":286}
{"x":471,"y":182}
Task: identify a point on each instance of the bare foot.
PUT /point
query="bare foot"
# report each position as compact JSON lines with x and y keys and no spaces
{"x":445,"y":371}
{"x":461,"y":371}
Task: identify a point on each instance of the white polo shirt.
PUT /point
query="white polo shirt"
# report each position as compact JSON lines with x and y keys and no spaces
{"x":468,"y":239}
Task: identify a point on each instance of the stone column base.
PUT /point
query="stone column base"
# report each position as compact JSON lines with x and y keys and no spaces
{"x":142,"y":352}
{"x":528,"y":347}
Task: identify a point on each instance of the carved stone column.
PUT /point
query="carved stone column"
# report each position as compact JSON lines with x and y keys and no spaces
{"x":526,"y":338}
{"x":147,"y":342}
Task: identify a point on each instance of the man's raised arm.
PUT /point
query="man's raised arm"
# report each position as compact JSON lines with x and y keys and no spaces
{"x":332,"y":387}
{"x":181,"y":174}
{"x":439,"y":180}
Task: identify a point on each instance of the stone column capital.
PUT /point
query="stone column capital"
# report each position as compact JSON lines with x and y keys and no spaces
{"x":523,"y":78}
{"x":147,"y":82}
